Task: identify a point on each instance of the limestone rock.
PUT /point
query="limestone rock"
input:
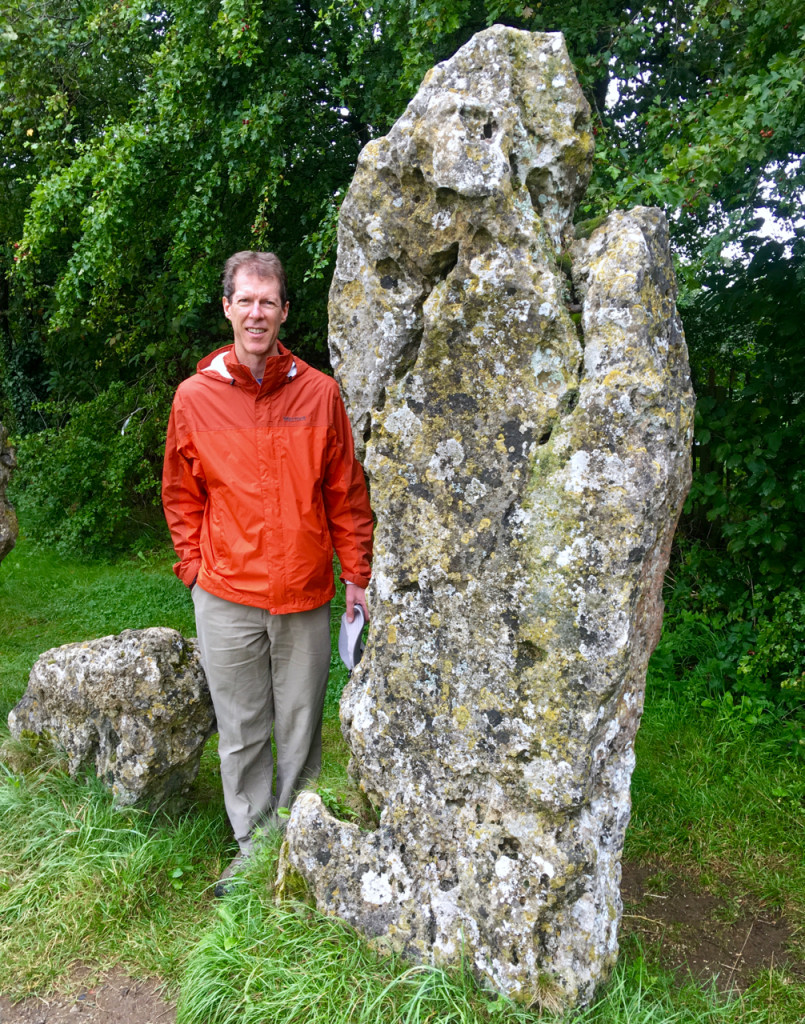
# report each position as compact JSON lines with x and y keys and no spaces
{"x":496,"y":140}
{"x":8,"y":520}
{"x":135,"y":705}
{"x":527,"y":472}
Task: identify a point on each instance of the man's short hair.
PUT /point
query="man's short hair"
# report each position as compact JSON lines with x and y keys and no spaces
{"x":264,"y":264}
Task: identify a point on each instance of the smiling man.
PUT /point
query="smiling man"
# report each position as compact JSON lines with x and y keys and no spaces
{"x":260,"y":484}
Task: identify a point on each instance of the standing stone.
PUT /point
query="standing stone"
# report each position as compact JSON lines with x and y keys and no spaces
{"x":8,"y":520}
{"x":527,"y":472}
{"x":135,"y":706}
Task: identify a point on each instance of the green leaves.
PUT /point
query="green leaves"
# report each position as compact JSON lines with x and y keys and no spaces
{"x":90,"y":486}
{"x":745,"y":336}
{"x":142,"y":145}
{"x":709,"y":99}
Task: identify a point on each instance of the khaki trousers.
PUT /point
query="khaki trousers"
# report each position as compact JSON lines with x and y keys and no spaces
{"x":263,"y":671}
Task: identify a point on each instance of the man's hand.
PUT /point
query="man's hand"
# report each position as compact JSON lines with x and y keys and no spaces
{"x":356,"y":595}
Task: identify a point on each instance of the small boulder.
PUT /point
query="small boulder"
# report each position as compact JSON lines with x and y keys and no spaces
{"x":136,"y":706}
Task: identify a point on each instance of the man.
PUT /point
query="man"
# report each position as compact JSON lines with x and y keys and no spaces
{"x":260,"y":484}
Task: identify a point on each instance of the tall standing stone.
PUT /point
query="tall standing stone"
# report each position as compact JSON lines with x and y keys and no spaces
{"x":527,"y":472}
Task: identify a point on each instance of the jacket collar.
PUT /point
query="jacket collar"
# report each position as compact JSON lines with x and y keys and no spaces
{"x":279,"y":369}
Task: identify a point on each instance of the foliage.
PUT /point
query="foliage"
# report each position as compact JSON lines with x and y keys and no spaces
{"x":67,"y":68}
{"x":140,"y":145}
{"x":780,"y":647}
{"x":90,"y":485}
{"x":738,"y":572}
{"x":233,"y":113}
{"x":242,"y":123}
{"x":733,"y":646}
{"x":710,"y":107}
{"x":746,"y":330}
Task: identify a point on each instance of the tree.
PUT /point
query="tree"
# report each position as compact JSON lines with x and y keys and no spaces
{"x":167,"y":136}
{"x":236,"y":137}
{"x":243,"y":127}
{"x":67,"y":68}
{"x":231,"y":131}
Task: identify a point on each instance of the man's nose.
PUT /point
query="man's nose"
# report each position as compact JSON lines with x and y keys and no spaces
{"x":255,"y":308}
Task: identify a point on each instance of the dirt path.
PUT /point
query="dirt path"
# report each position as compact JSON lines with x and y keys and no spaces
{"x":116,"y":999}
{"x":692,"y":930}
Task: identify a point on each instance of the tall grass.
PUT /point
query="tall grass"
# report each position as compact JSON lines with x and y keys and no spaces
{"x":80,"y":881}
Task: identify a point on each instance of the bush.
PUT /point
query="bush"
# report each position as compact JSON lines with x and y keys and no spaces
{"x":90,"y":487}
{"x":733,"y":646}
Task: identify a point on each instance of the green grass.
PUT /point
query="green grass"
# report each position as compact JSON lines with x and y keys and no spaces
{"x":80,"y":882}
{"x":48,"y":601}
{"x":267,"y":963}
{"x":247,"y":969}
{"x":724,"y":799}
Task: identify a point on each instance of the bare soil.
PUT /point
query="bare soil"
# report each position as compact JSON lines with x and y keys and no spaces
{"x":115,"y":999}
{"x":684,"y":924}
{"x":694,"y":932}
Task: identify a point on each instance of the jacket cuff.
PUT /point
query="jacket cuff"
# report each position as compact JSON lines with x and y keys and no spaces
{"x":188,"y":571}
{"x":359,"y":581}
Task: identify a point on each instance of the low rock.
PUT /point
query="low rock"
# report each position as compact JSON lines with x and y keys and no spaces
{"x":136,"y":706}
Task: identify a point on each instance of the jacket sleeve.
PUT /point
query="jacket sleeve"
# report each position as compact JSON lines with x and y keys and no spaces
{"x":346,"y":501}
{"x":184,"y":498}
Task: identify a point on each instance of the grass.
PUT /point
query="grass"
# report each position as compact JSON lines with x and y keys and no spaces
{"x":49,"y":601}
{"x":725,"y":799}
{"x":81,"y":882}
{"x":247,"y":969}
{"x":93,"y":884}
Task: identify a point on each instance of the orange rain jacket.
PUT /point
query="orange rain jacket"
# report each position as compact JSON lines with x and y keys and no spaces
{"x":260,"y":481}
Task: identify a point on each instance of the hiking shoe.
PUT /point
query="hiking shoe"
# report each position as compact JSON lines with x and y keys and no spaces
{"x":226,"y":883}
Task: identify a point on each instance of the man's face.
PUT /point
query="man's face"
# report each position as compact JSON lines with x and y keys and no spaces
{"x":256,"y":313}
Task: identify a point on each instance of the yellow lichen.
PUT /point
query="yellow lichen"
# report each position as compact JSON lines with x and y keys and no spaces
{"x":461,"y":716}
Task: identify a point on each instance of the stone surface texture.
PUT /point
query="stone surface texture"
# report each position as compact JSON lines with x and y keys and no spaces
{"x":135,"y":706}
{"x":527,"y":411}
{"x":8,"y":519}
